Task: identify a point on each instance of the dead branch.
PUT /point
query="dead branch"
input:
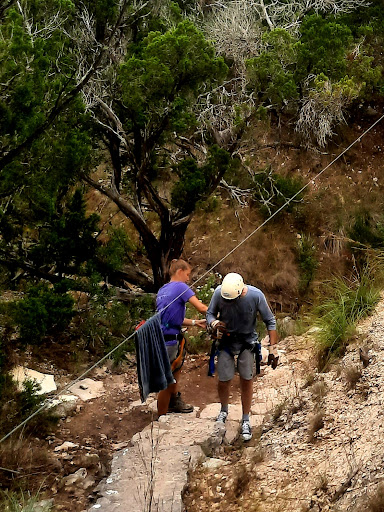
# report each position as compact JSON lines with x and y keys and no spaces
{"x":241,"y":196}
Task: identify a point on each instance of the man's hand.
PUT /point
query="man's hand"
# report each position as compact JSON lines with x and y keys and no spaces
{"x":218,"y":329}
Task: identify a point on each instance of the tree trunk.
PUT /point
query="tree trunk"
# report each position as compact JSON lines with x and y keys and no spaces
{"x":170,"y":246}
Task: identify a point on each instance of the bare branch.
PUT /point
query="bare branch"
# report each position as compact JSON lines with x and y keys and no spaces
{"x":236,"y":30}
{"x":241,"y":196}
{"x":322,"y":109}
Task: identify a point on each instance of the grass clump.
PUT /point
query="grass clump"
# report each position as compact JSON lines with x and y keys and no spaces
{"x":20,"y":502}
{"x":316,"y":423}
{"x":319,"y":390}
{"x":348,"y":303}
{"x":352,"y":375}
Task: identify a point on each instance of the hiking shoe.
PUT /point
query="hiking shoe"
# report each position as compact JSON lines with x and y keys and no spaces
{"x":177,"y":404}
{"x":273,"y":361}
{"x":222,"y":417}
{"x":246,"y":430}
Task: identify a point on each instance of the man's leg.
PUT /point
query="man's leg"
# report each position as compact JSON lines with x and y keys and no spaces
{"x":226,"y":371}
{"x":246,"y":388}
{"x":223,"y":389}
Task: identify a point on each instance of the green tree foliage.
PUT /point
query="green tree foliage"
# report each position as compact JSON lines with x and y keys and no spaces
{"x":68,"y":240}
{"x":195,"y":183}
{"x":161,"y":79}
{"x":272,"y":73}
{"x":42,"y":311}
{"x":322,"y":70}
{"x":116,"y":250}
{"x":150,"y":106}
{"x":39,"y":160}
{"x":322,"y":48}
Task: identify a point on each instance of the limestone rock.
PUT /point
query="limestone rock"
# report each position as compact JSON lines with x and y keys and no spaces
{"x":45,"y":381}
{"x":87,"y":389}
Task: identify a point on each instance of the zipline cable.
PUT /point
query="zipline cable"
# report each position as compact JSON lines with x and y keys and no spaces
{"x":46,"y":405}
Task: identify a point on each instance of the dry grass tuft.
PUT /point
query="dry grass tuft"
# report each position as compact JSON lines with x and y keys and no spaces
{"x":319,"y":391}
{"x":297,"y":404}
{"x":352,"y":375}
{"x":322,"y":482}
{"x":309,"y":380}
{"x":278,"y":410}
{"x":316,"y":423}
{"x":257,"y":456}
{"x":241,"y":481}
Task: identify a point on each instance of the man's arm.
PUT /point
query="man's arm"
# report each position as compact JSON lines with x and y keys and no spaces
{"x":272,"y":337}
{"x":213,"y":307}
{"x":268,"y":318}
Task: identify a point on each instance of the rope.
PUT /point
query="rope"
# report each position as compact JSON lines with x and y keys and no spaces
{"x":44,"y":406}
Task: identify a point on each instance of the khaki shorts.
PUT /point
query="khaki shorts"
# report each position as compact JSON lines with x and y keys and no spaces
{"x":226,"y":365}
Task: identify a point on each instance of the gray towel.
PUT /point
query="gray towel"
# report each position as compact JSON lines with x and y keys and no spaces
{"x":153,"y":367}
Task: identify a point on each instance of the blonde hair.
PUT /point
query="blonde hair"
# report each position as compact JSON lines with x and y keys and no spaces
{"x":178,"y":265}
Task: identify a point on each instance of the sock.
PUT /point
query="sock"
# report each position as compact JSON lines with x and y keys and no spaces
{"x":224,"y":408}
{"x":245,"y":417}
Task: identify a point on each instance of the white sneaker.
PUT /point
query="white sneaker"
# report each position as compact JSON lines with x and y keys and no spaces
{"x":222,"y":417}
{"x":246,"y":430}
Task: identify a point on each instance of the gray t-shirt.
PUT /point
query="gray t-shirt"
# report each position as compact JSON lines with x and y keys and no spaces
{"x":240,"y":315}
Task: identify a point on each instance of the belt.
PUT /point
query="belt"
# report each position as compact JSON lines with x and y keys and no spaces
{"x":171,"y":337}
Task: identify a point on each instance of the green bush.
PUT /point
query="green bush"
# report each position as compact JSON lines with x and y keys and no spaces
{"x":43,"y":310}
{"x":107,"y":322}
{"x":307,"y":262}
{"x":16,"y":406}
{"x":366,"y":231}
{"x":347,"y":304}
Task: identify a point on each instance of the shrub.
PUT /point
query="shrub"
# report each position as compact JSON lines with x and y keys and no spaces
{"x":205,"y":291}
{"x":307,"y":262}
{"x":17,"y":405}
{"x":107,"y":322}
{"x":41,"y":311}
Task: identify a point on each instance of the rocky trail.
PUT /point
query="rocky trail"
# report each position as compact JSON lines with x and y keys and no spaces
{"x":318,"y":441}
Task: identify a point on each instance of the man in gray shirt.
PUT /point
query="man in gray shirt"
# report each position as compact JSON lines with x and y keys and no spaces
{"x":236,"y":304}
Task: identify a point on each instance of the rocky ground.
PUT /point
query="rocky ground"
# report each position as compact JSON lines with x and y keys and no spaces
{"x":318,"y":440}
{"x":320,"y":449}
